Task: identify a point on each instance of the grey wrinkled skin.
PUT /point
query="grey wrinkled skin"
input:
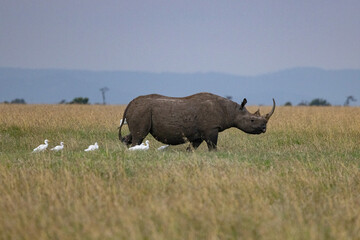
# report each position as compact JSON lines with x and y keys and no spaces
{"x":196,"y":118}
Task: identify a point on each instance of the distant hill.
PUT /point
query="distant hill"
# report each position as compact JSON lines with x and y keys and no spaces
{"x":294,"y":85}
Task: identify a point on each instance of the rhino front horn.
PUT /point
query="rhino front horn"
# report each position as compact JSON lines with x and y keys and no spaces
{"x":268,"y":115}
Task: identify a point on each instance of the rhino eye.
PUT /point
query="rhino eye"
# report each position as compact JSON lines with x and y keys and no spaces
{"x":252,"y":120}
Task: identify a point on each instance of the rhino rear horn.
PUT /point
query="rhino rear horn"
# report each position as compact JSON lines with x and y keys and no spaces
{"x":268,"y":115}
{"x":243,"y":103}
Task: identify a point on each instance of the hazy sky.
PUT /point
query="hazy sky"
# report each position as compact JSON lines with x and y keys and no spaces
{"x":240,"y":37}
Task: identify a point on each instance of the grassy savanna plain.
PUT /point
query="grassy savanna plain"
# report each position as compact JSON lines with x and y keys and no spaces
{"x":300,"y":180}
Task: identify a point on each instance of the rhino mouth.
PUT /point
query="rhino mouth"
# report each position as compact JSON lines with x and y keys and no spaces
{"x":257,"y":131}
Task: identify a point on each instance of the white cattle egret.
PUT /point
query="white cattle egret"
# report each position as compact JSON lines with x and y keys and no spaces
{"x":41,"y":147}
{"x":141,"y":146}
{"x":162,"y":147}
{"x":58,"y":147}
{"x":92,"y":147}
{"x":125,"y":122}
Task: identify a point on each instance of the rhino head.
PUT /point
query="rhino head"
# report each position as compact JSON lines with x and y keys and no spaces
{"x":252,"y":123}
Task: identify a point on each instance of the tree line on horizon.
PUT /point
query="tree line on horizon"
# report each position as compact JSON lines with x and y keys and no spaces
{"x":77,"y":100}
{"x":85,"y":100}
{"x":321,"y":102}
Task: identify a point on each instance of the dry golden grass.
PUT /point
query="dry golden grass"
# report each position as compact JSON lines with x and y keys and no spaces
{"x":300,"y":180}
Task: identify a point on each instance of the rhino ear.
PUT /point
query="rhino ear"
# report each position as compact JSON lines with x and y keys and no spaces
{"x":257,"y":113}
{"x":243,"y":104}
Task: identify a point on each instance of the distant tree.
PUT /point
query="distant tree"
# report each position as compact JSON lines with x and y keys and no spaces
{"x":348,"y":99}
{"x":319,"y":102}
{"x":103,"y":90}
{"x":289,"y":104}
{"x":229,"y":97}
{"x":62,"y":101}
{"x":80,"y":100}
{"x":18,"y":101}
{"x":303,"y":103}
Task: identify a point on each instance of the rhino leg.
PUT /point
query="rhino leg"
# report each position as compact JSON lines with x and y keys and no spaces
{"x":211,"y":139}
{"x":194,"y":144}
{"x":139,"y":123}
{"x":138,"y":136}
{"x":140,"y":132}
{"x":127,"y":139}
